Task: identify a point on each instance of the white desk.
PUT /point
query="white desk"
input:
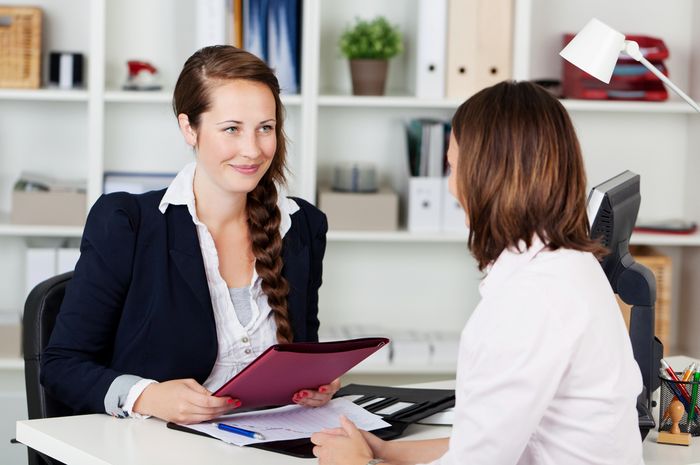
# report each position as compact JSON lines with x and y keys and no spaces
{"x":101,"y":439}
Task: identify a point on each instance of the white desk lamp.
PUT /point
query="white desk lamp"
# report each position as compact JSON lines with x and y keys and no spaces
{"x":596,"y":49}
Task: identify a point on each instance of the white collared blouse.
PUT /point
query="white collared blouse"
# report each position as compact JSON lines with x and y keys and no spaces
{"x":546,"y":373}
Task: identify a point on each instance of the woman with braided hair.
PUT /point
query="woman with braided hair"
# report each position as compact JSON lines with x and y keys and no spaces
{"x":178,"y":290}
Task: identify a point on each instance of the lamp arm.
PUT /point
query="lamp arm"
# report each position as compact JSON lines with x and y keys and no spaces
{"x":632,"y":49}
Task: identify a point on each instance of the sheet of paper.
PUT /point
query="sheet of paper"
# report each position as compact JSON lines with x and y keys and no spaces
{"x":291,"y":422}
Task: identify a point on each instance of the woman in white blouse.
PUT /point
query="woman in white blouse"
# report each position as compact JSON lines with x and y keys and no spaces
{"x":545,"y":373}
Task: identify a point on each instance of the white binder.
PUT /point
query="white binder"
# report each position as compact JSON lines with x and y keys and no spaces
{"x":430,"y":59}
{"x":479,"y":45}
{"x":424,"y":199}
{"x":40,"y":266}
{"x":66,"y":259}
{"x":452,"y":214}
{"x":211,"y":16}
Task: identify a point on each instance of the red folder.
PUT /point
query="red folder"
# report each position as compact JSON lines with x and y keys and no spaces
{"x":283,"y":369}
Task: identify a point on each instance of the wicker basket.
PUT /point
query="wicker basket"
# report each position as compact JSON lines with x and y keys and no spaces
{"x":20,"y":47}
{"x":660,"y":265}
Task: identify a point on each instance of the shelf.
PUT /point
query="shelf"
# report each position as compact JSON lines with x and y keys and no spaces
{"x":25,"y":230}
{"x":51,"y":95}
{"x":684,"y":240}
{"x":406,"y":101}
{"x":614,"y":106}
{"x":691,"y":240}
{"x":166,"y":96}
{"x":11,"y":364}
{"x":395,"y":236}
{"x":145,"y":96}
{"x":386,"y":101}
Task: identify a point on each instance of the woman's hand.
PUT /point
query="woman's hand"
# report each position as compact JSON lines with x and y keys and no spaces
{"x":344,"y":445}
{"x":310,"y":398}
{"x":182,"y":401}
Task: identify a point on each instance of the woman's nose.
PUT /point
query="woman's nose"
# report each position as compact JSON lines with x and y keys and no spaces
{"x":250,"y":148}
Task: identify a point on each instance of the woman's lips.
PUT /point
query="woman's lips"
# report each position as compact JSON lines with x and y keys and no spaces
{"x":246,"y":169}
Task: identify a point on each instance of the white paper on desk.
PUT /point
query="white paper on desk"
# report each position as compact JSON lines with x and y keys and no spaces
{"x":291,"y":422}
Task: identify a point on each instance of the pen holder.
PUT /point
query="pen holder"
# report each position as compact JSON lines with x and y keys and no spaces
{"x":669,"y":389}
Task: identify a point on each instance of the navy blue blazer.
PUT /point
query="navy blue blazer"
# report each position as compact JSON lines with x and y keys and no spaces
{"x":139,"y":301}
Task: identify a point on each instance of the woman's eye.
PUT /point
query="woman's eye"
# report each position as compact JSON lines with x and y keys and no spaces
{"x":267,"y":129}
{"x":231,"y":130}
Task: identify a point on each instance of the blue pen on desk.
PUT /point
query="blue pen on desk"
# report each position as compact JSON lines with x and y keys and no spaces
{"x":241,"y":431}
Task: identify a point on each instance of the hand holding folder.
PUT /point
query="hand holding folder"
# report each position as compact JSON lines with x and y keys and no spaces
{"x":283,"y":369}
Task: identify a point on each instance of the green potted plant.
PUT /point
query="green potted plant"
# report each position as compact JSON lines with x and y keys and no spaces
{"x":369,"y":45}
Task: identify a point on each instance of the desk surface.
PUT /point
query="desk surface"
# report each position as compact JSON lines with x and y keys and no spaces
{"x":101,"y":439}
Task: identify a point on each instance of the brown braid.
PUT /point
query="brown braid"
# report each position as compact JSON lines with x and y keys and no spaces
{"x":264,"y":223}
{"x":205,"y":69}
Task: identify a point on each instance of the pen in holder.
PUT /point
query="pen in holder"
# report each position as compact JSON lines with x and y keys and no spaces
{"x":670,"y":390}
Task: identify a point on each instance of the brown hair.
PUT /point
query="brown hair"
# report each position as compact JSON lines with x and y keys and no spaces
{"x":520,"y":172}
{"x":207,"y":68}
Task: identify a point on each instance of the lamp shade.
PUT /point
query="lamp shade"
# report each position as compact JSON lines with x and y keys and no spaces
{"x":595,"y":49}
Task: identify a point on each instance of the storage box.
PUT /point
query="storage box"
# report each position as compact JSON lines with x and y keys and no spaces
{"x":356,"y":211}
{"x":48,"y":208}
{"x":20,"y":47}
{"x":660,"y":265}
{"x":10,"y":342}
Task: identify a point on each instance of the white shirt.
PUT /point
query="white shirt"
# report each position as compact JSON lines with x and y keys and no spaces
{"x":546,"y":373}
{"x":237,"y":345}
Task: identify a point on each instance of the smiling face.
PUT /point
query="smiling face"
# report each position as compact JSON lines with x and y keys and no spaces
{"x":235,"y":139}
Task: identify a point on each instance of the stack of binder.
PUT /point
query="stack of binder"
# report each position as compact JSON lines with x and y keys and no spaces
{"x":431,"y":207}
{"x":630,"y":80}
{"x":413,"y":404}
{"x":475,"y":53}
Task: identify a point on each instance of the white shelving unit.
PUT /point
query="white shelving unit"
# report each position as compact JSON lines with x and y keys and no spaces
{"x":111,"y":129}
{"x":395,"y":279}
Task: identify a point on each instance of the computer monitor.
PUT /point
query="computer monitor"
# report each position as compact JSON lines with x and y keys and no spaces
{"x":612,"y":211}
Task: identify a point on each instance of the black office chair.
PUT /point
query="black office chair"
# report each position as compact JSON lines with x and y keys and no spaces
{"x":40,"y":311}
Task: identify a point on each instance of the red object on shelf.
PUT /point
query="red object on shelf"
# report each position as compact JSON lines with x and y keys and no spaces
{"x":136,"y":67}
{"x":630,"y":79}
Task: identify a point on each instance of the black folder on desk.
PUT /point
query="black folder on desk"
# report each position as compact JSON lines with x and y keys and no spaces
{"x":425,"y":402}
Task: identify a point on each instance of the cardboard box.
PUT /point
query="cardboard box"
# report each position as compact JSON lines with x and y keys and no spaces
{"x":355,"y":211}
{"x":48,"y":208}
{"x":10,"y":341}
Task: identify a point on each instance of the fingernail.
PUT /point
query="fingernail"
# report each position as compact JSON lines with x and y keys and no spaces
{"x":322,"y":389}
{"x":238,"y":403}
{"x":229,"y":401}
